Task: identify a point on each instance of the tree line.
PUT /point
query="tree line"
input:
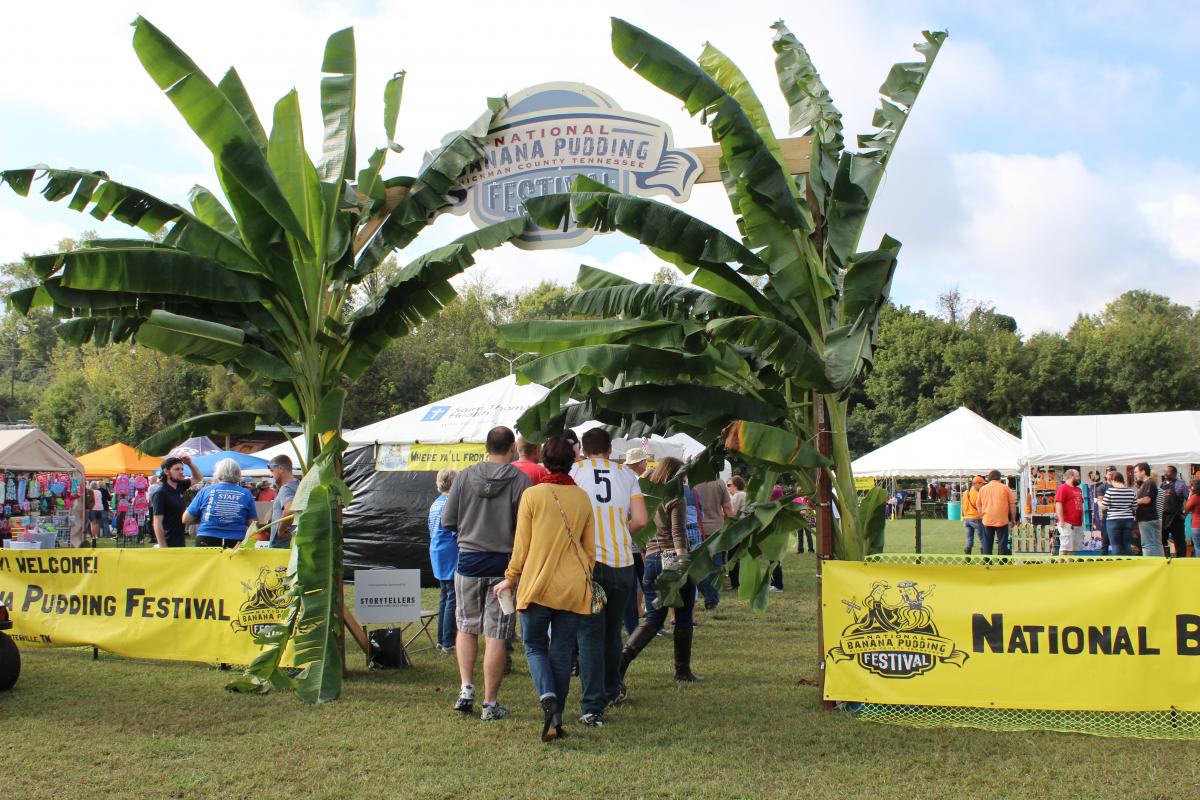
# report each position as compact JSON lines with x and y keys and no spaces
{"x":89,"y":397}
{"x":1140,"y":353}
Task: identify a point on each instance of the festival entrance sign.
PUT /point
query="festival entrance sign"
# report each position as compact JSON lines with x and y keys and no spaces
{"x":551,"y":133}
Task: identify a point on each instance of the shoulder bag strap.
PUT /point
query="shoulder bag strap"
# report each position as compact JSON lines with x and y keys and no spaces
{"x":570,"y":536}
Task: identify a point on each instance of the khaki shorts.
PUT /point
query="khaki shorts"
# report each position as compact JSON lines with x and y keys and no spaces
{"x":477,"y":610}
{"x":1070,"y":537}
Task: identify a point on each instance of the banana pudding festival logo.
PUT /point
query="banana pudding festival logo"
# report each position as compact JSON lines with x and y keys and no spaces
{"x":266,"y":605}
{"x":553,"y":132}
{"x":895,"y":639}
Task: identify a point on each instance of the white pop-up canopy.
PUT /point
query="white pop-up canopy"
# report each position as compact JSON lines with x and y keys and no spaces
{"x":464,"y":417}
{"x":960,"y":444}
{"x":1166,"y":437}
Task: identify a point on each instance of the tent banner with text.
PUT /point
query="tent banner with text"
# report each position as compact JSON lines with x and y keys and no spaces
{"x":417,"y":457}
{"x":178,"y":604}
{"x":1093,"y":635}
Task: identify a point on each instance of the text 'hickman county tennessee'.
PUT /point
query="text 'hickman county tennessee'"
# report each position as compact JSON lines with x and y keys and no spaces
{"x":990,"y":634}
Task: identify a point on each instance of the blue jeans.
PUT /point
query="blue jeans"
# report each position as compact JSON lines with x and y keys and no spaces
{"x":600,"y":640}
{"x":658,"y":616}
{"x":1151,"y":538}
{"x":1120,"y":536}
{"x":447,"y":629}
{"x":708,"y":588}
{"x":632,"y":612}
{"x":801,"y":535}
{"x":996,"y":535}
{"x":549,"y":639}
{"x":973,"y":528}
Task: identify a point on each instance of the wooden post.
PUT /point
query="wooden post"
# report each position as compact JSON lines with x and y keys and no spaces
{"x":917,"y":524}
{"x":824,"y":530}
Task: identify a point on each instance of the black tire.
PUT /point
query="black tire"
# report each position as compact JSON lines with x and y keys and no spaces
{"x":10,"y":663}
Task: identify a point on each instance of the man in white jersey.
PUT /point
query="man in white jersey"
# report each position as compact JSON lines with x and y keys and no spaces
{"x":620,"y":511}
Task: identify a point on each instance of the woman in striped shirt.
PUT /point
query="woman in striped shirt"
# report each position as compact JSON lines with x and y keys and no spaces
{"x":1118,"y":504}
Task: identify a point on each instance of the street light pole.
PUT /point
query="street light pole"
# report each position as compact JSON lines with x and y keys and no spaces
{"x":511,"y":361}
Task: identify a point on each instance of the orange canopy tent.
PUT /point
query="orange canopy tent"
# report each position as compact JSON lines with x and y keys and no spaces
{"x":117,"y":459}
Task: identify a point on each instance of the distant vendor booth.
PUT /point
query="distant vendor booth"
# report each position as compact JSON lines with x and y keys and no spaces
{"x":41,"y":503}
{"x":391,"y":467}
{"x":1092,"y":443}
{"x":951,"y":450}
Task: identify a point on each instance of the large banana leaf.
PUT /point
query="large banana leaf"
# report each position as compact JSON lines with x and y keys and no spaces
{"x":196,"y":339}
{"x":772,"y":445}
{"x":215,"y":121}
{"x":745,"y":156}
{"x":318,"y":563}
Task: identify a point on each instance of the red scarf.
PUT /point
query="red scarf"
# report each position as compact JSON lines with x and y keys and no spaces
{"x":558,"y":478}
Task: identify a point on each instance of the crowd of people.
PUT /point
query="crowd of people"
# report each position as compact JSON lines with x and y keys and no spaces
{"x":546,"y":534}
{"x":166,"y":521}
{"x":1143,"y":516}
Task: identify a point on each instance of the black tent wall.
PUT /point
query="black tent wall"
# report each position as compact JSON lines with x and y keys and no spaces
{"x":387,"y":525}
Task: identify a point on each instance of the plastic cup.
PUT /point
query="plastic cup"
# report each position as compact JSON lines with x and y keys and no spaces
{"x":507,"y":606}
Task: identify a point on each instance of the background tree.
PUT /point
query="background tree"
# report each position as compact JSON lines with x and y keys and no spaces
{"x":264,"y":283}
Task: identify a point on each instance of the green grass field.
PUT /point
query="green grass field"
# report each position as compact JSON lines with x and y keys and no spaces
{"x":118,"y":728}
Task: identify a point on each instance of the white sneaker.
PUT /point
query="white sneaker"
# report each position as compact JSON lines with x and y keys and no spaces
{"x":494,"y":711}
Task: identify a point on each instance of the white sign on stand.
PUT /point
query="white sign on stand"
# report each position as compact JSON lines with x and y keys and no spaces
{"x":387,"y":595}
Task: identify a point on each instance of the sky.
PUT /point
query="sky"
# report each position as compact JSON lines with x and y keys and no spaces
{"x":1045,"y":168}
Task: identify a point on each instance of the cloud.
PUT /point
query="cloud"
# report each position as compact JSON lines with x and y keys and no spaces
{"x":1046,"y":237}
{"x":16,"y":228}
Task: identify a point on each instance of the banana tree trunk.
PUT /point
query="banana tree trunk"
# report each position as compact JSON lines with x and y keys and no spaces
{"x":849,"y":538}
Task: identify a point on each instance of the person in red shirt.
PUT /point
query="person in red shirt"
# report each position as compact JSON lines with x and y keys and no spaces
{"x":1193,"y":508}
{"x":1068,"y":506}
{"x":531,"y":455}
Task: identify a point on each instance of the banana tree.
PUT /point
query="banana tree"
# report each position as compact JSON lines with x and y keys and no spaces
{"x":771,"y":325}
{"x":263,"y":284}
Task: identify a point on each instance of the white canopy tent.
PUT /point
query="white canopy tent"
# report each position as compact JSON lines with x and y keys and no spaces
{"x":1166,"y":437}
{"x":959,"y":445}
{"x":464,"y":417}
{"x":1093,"y":442}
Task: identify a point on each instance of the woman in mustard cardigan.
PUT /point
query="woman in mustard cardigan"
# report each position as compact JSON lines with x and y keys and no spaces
{"x":552,"y":558}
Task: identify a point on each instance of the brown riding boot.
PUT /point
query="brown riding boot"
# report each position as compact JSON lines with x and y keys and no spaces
{"x":642,"y":635}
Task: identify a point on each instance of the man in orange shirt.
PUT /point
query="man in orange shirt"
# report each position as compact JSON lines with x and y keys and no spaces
{"x":972,"y":524}
{"x":998,"y":509}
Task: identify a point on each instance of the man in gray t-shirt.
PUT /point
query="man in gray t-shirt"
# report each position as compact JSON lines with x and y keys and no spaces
{"x":285,"y":491}
{"x":716,"y":506}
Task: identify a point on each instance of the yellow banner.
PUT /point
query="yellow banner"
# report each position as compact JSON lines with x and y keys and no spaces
{"x":428,"y":457}
{"x":184,"y":604}
{"x":864,"y":484}
{"x":1093,"y":635}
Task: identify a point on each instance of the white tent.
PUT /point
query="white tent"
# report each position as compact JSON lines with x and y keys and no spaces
{"x":960,"y":444}
{"x":1167,"y":437}
{"x":464,"y":417}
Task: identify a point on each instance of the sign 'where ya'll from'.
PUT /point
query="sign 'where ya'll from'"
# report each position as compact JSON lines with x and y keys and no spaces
{"x":552,"y":132}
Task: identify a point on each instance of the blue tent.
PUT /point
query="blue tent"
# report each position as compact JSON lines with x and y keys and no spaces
{"x":248,"y":463}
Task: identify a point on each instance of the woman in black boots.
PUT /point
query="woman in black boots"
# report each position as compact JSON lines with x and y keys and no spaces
{"x":668,"y":548}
